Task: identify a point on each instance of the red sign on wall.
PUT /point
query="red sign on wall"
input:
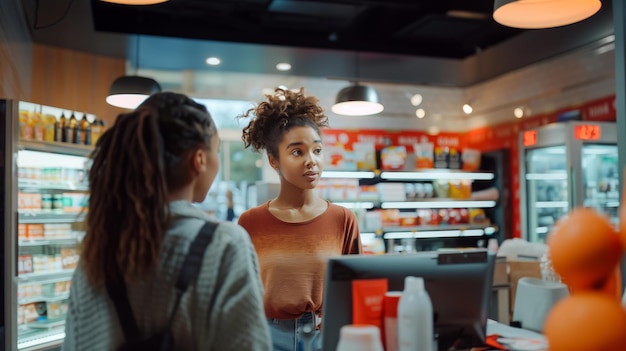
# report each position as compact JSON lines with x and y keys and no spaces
{"x":587,"y":132}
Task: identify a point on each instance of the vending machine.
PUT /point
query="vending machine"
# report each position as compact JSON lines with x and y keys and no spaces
{"x":566,"y":165}
{"x":44,"y":186}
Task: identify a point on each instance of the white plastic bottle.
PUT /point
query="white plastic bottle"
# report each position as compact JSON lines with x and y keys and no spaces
{"x":415,"y":317}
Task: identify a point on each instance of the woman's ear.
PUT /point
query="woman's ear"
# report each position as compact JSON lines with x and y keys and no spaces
{"x":273,"y":161}
{"x":199,"y":161}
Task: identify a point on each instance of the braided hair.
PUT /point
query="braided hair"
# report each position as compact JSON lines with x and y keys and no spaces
{"x":281,"y":112}
{"x":134,"y":166}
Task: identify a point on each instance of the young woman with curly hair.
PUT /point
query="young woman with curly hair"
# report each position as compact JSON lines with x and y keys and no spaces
{"x":146,"y":171}
{"x":296,"y":232}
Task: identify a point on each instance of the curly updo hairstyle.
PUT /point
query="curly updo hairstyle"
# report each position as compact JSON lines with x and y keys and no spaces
{"x":283,"y":110}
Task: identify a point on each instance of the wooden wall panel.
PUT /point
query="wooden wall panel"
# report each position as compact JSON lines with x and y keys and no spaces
{"x":75,"y":80}
{"x":15,"y":52}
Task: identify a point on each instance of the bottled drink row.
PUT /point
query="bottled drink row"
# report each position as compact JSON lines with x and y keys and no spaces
{"x":37,"y":126}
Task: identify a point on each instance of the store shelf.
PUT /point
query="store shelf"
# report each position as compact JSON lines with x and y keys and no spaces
{"x":29,"y":217}
{"x":27,"y":300}
{"x":437,"y":203}
{"x":436,"y":174}
{"x":44,"y":242}
{"x":55,"y":147}
{"x":444,"y":231}
{"x":46,"y":277}
{"x":41,"y":339}
{"x":33,"y":184}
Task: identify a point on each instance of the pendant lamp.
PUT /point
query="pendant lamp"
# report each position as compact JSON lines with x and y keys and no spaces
{"x":130,"y":91}
{"x":356,"y":99}
{"x":535,"y":14}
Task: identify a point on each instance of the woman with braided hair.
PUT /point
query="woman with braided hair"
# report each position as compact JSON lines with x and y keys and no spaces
{"x":296,"y":232}
{"x":146,"y":170}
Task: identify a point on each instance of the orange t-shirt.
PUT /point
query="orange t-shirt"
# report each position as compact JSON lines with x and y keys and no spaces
{"x":292,"y":256}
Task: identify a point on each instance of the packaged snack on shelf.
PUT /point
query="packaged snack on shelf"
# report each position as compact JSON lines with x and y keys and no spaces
{"x":454,"y":158}
{"x":352,"y":189}
{"x":24,"y":264}
{"x":478,"y":216}
{"x":419,"y":190}
{"x":429,"y":190}
{"x":372,"y":221}
{"x":441,"y":156}
{"x":22,"y":231}
{"x":390,"y":217}
{"x":424,"y":155}
{"x":442,"y":188}
{"x":391,"y":191}
{"x":69,"y":258}
{"x":408,"y":219}
{"x":53,"y":310}
{"x":368,"y":193}
{"x":35,"y":231}
{"x":460,"y":189}
{"x":471,"y":159}
{"x":393,"y":157}
{"x":365,"y":155}
{"x":409,"y":190}
{"x":444,"y":216}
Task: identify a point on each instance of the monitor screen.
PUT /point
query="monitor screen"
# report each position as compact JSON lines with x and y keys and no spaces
{"x":458,"y":282}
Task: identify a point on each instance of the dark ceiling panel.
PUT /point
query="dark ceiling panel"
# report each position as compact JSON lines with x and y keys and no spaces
{"x":409,"y":27}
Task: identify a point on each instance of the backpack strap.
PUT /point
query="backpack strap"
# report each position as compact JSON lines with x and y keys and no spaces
{"x":188,"y":273}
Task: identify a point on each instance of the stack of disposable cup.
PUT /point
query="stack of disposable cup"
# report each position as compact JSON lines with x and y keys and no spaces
{"x":359,"y":337}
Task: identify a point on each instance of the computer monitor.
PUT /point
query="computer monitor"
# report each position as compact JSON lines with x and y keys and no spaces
{"x":458,"y":282}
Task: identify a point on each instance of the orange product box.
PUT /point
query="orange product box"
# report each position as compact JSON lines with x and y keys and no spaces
{"x":22,"y":231}
{"x":35,"y":231}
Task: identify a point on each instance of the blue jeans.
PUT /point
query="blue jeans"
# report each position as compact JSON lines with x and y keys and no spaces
{"x":288,"y":334}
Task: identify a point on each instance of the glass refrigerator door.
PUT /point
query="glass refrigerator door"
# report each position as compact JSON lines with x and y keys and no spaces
{"x":52,"y":189}
{"x":547,"y":190}
{"x":601,"y":179}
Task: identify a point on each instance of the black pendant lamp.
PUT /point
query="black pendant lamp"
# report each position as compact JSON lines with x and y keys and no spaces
{"x":130,"y":91}
{"x":535,"y":14}
{"x":356,"y":99}
{"x":135,"y":2}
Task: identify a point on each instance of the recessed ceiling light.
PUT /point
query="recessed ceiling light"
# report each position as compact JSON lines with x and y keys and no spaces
{"x":283,"y":66}
{"x":518,"y":112}
{"x":467,"y":108}
{"x":213,"y":61}
{"x":416,"y":99}
{"x":420,"y":113}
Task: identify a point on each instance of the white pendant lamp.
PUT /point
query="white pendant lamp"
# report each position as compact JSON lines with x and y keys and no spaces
{"x":130,"y":91}
{"x":135,"y":2}
{"x":535,"y":14}
{"x":357,"y":100}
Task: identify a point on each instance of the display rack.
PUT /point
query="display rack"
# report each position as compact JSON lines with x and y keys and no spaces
{"x":43,"y":288}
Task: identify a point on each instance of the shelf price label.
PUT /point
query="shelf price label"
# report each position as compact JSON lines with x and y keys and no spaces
{"x":587,"y":132}
{"x":530,"y":137}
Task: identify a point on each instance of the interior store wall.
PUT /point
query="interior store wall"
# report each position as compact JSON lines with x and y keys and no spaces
{"x":15,"y":52}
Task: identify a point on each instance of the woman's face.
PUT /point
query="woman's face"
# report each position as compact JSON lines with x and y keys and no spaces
{"x":300,"y":157}
{"x":209,"y":171}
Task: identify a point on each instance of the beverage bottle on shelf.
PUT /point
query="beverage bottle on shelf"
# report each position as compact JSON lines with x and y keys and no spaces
{"x":59,"y":132}
{"x":64,"y":128}
{"x":83,"y":126}
{"x":75,"y":130}
{"x":50,"y":127}
{"x":69,"y":129}
{"x":97,"y":128}
{"x":415,"y":317}
{"x":88,"y":133}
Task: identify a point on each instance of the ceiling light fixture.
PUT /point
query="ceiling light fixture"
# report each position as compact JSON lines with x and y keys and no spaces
{"x":467,"y":108}
{"x":135,"y":2}
{"x":130,"y":91}
{"x":283,"y":66}
{"x":534,"y":14}
{"x":420,"y":113}
{"x":416,"y":99}
{"x":213,"y":61}
{"x":518,"y":112}
{"x":357,"y":100}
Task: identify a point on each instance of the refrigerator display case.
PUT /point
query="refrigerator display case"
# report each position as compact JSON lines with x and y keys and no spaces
{"x":45,"y":191}
{"x":563,"y":166}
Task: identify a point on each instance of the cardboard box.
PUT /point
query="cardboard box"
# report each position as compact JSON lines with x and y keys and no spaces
{"x":519,"y":269}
